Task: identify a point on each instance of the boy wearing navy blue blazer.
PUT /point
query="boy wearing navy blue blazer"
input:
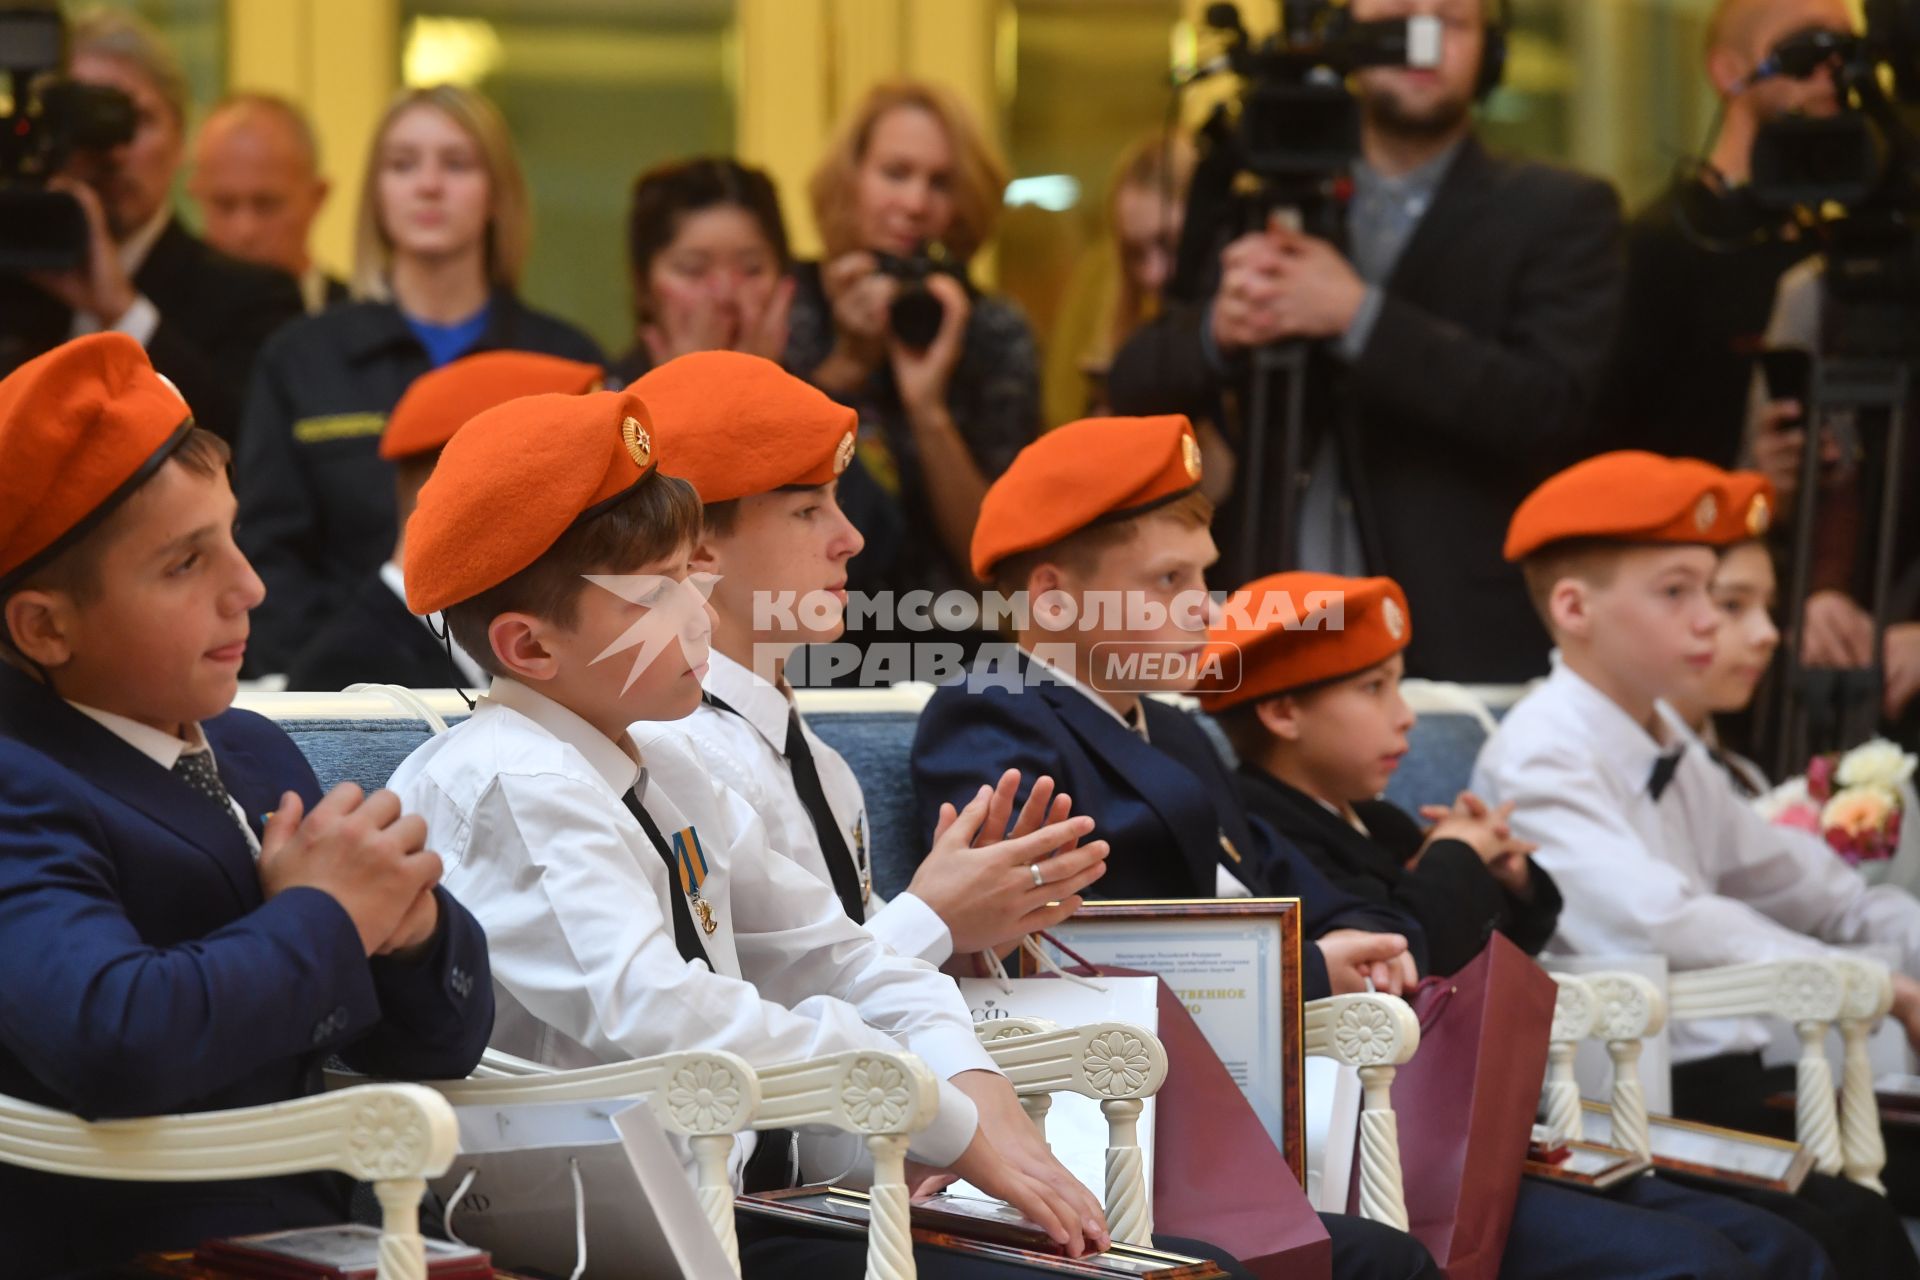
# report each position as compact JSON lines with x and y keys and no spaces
{"x":186,"y":924}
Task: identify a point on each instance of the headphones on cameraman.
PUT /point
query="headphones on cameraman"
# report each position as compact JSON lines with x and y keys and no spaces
{"x":1493,"y":50}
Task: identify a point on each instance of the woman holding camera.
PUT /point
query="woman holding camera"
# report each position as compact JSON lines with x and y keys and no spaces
{"x":441,"y":238}
{"x":945,"y":377}
{"x":708,"y":252}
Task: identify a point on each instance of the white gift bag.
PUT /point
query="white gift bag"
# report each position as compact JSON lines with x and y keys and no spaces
{"x":581,"y":1189}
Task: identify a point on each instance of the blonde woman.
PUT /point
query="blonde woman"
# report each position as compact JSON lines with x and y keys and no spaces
{"x":910,"y":173}
{"x":442,"y":236}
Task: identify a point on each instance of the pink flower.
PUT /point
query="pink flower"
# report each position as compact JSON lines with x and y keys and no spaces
{"x":1801,"y":817}
{"x":1857,"y":821}
{"x":1820,"y":777}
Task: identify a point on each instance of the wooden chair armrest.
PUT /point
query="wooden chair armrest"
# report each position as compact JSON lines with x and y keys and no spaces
{"x":1364,"y":1029}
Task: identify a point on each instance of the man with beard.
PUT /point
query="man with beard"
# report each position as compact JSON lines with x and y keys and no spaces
{"x":1468,"y":320}
{"x":1700,"y":273}
{"x":200,"y":315}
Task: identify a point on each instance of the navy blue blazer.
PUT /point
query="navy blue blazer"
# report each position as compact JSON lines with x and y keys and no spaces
{"x":1166,"y":804}
{"x":146,"y":975}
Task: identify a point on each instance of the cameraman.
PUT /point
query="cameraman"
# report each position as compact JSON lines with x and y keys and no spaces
{"x":910,"y":168}
{"x":200,"y":314}
{"x":1473,"y":319}
{"x":1700,"y":276}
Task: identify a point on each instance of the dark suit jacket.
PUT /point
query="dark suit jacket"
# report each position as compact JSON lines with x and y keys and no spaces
{"x":374,"y":640}
{"x":1451,"y":893}
{"x":146,"y":976}
{"x":1167,"y":806}
{"x":316,"y":499}
{"x":1476,"y":384}
{"x":215,"y":311}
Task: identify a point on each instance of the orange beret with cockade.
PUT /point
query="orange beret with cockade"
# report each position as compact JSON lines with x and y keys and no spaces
{"x":440,"y":402}
{"x":1085,"y":473}
{"x":81,"y":428}
{"x":738,"y":425}
{"x":1635,"y":497}
{"x":512,"y":480}
{"x":1290,"y":630}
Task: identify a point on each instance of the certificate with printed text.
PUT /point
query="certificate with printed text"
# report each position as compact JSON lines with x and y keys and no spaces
{"x":1235,"y":964}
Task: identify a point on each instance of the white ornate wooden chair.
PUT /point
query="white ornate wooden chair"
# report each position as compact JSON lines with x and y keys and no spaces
{"x":1116,"y":1064}
{"x":1375,"y":1034}
{"x":708,"y":1097}
{"x":1812,"y":994}
{"x":395,"y":1136}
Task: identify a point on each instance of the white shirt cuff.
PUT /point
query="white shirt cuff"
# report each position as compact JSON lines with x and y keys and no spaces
{"x":950,"y":1050}
{"x":140,"y":320}
{"x":955,"y":1121}
{"x":914,"y":929}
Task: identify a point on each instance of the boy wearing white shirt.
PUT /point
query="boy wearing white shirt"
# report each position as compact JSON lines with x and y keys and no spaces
{"x":630,"y":903}
{"x":1651,"y":849}
{"x":764,"y":450}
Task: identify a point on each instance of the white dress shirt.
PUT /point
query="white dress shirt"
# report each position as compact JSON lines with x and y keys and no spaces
{"x":165,"y":750}
{"x":1696,"y":876}
{"x":142,"y":318}
{"x":472,"y":672}
{"x":748,"y":752}
{"x":524,"y":803}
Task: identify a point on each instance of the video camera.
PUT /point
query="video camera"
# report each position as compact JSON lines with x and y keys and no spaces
{"x":916,"y":314}
{"x":1295,"y":133}
{"x":44,"y":119}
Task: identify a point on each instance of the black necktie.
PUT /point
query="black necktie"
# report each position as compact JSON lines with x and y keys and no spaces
{"x":195,"y":768}
{"x":841,"y":867}
{"x":1664,"y":768}
{"x":806,"y":781}
{"x":686,"y":934}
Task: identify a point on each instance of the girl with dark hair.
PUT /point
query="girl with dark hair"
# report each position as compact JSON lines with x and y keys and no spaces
{"x":708,"y":253}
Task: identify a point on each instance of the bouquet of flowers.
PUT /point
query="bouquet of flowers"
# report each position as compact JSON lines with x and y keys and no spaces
{"x":1851,"y":799}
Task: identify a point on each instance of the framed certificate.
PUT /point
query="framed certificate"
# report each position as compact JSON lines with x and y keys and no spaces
{"x":1235,"y":964}
{"x":1590,"y":1165}
{"x":1705,"y":1151}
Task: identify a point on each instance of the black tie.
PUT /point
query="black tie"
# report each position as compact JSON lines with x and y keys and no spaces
{"x":813,"y":796}
{"x":195,"y":768}
{"x":1664,"y":768}
{"x":686,"y":934}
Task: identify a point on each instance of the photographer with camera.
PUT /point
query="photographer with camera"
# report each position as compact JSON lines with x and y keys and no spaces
{"x":945,"y":378}
{"x":1702,"y":263}
{"x":1471,"y":314}
{"x":200,"y":314}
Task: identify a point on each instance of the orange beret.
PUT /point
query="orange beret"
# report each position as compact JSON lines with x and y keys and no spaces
{"x":81,"y":428}
{"x":512,"y":480}
{"x":1290,"y":630}
{"x":740,"y":425}
{"x":440,"y":402}
{"x":1630,"y":496}
{"x":1088,"y":472}
{"x":1750,"y":501}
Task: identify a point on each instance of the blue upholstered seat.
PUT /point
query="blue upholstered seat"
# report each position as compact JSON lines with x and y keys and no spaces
{"x":877,"y":745}
{"x":1439,"y":763}
{"x":362,"y":751}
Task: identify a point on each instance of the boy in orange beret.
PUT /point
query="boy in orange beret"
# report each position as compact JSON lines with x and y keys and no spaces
{"x":765,"y":451}
{"x":373,"y":638}
{"x":1314,"y":712}
{"x":631,"y":901}
{"x":1094,"y":519}
{"x":1652,"y":849}
{"x":185,"y":923}
{"x":1308,"y":693}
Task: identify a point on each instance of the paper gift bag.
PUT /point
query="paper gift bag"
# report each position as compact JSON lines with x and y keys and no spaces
{"x":1466,"y":1104}
{"x":578,"y":1188}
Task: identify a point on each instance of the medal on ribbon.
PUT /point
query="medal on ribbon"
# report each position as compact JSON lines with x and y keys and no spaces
{"x":860,"y":857}
{"x":690,"y":860}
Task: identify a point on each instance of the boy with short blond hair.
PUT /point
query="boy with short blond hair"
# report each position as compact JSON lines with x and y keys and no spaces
{"x":185,"y":923}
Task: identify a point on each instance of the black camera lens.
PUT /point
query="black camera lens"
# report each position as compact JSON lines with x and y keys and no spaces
{"x":915,"y":316}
